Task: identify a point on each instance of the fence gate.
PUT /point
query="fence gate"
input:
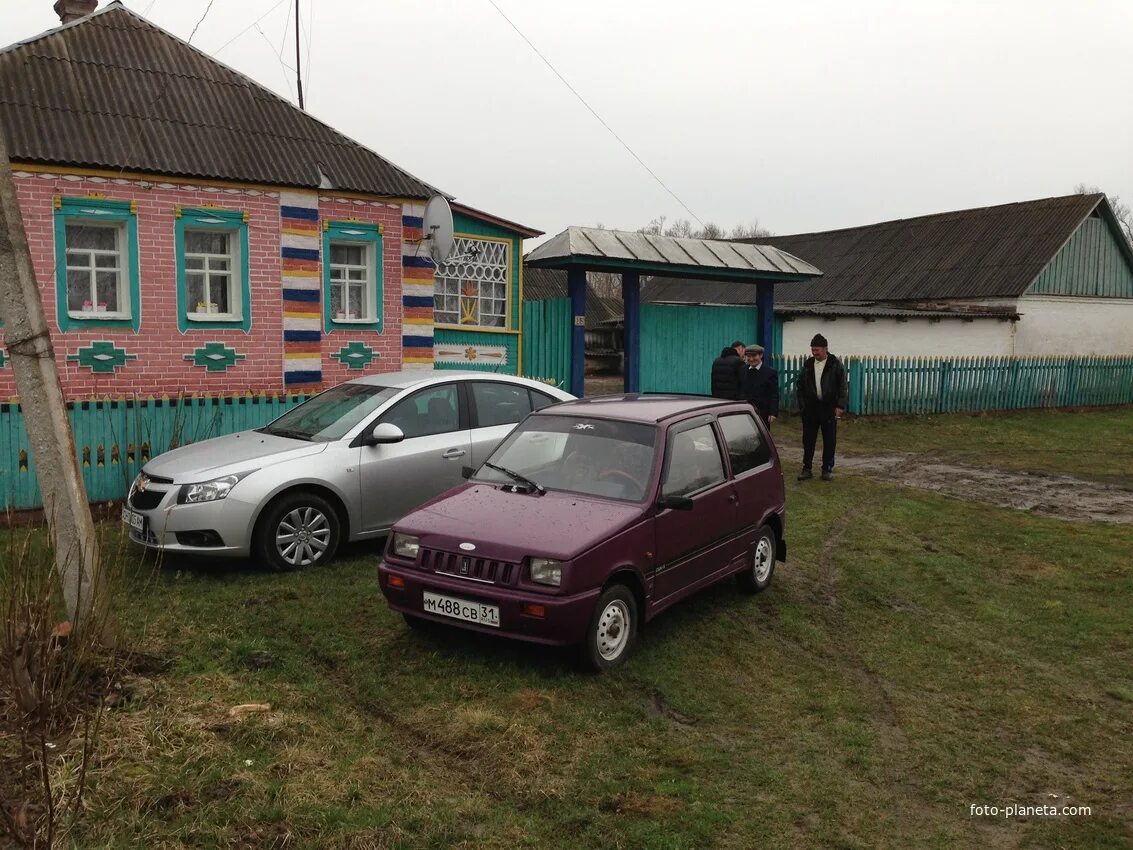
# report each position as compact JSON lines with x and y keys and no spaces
{"x":546,"y":339}
{"x":680,"y":341}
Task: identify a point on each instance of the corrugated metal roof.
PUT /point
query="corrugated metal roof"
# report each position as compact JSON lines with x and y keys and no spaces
{"x":992,"y":252}
{"x":600,"y":249}
{"x":115,"y":91}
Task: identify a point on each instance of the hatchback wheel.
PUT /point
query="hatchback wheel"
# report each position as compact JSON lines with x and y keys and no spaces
{"x":613,"y":629}
{"x":299,"y":531}
{"x":762,"y":564}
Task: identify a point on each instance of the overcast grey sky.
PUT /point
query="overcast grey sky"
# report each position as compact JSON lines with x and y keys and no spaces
{"x":803,"y":115}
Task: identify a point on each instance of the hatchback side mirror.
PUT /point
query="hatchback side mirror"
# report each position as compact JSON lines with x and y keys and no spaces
{"x":676,"y":503}
{"x":384,"y":432}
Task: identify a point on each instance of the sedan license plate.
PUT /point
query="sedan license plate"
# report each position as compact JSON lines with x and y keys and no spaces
{"x":461,"y":609}
{"x":135,"y":520}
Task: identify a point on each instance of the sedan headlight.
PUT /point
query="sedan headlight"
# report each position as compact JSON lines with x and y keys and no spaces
{"x":406,"y":546}
{"x":546,"y":571}
{"x":208,"y":491}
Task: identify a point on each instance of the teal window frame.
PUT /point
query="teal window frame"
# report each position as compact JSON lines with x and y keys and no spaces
{"x":203,"y":218}
{"x":97,"y":211}
{"x":359,"y":233}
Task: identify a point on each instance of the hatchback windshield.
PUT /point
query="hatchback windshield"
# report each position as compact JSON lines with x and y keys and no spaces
{"x":329,"y":415}
{"x":595,"y":457}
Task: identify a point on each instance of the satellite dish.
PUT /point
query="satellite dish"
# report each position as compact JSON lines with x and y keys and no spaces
{"x":436,"y":229}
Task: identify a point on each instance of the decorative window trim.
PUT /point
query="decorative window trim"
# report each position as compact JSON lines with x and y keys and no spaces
{"x":369,"y":235}
{"x":123,"y":215}
{"x":464,"y":239}
{"x":236,"y":223}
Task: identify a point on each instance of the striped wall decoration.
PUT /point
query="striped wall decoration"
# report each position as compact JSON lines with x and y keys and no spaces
{"x":416,"y":292}
{"x":302,"y":314}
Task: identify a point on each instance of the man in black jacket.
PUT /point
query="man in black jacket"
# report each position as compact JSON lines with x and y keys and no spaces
{"x":727,"y":372}
{"x":822,"y":393}
{"x":761,"y":385}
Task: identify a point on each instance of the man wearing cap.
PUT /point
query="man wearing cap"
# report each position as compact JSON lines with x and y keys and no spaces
{"x":761,"y":385}
{"x":728,"y":372}
{"x":822,"y":393}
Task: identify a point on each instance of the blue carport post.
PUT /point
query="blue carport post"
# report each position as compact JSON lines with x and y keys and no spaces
{"x":631,"y":305}
{"x":576,"y":289}
{"x":765,"y":305}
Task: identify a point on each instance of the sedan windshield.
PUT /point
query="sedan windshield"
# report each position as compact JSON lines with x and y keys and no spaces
{"x":331,"y":414}
{"x":593,"y":457}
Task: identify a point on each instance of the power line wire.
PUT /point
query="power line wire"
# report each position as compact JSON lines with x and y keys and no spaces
{"x":582,"y":100}
{"x":208,"y":9}
{"x":256,"y":21}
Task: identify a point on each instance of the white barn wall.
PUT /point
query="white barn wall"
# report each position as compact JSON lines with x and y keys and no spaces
{"x":1065,"y":325}
{"x":913,"y":338}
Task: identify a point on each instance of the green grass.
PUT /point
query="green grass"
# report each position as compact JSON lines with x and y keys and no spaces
{"x":1096,"y":444}
{"x":917,"y":655}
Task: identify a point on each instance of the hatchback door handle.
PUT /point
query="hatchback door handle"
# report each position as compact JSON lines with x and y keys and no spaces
{"x":451,"y":453}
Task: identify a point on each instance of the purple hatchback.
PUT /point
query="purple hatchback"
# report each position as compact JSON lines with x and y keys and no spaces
{"x":592,"y":517}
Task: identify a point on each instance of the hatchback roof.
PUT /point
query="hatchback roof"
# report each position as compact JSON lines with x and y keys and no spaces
{"x":636,"y":407}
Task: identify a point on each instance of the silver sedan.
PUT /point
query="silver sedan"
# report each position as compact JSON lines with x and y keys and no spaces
{"x":344,"y":465}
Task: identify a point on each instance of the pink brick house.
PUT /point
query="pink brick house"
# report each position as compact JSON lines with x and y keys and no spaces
{"x":192,"y":232}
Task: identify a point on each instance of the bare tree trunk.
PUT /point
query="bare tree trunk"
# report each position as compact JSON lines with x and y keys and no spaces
{"x":45,"y":413}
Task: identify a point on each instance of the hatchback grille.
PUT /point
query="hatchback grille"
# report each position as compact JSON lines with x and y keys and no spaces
{"x":465,"y":566}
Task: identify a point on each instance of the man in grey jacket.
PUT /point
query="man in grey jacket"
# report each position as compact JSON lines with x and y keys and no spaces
{"x":822,"y":393}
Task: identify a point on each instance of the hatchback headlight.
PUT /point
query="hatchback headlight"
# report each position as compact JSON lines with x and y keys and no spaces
{"x":208,"y":491}
{"x":546,"y":571}
{"x":406,"y":546}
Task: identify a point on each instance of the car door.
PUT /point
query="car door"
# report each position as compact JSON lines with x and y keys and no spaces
{"x":496,"y":408}
{"x":758,"y":481}
{"x":397,"y":477}
{"x":694,"y":544}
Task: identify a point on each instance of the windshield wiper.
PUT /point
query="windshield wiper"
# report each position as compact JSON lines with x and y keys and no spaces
{"x":283,"y":432}
{"x":515,"y":476}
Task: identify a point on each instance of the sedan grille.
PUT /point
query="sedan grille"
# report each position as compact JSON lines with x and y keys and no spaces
{"x":146,"y":500}
{"x":465,"y":566}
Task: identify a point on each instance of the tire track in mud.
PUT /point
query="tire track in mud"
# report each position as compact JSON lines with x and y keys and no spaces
{"x":1035,"y":492}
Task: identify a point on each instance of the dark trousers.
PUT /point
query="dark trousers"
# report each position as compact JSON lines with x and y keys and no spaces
{"x":820,"y":419}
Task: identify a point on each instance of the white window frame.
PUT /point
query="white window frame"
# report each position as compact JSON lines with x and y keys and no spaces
{"x":369,"y":293}
{"x":234,"y":273}
{"x":120,"y":269}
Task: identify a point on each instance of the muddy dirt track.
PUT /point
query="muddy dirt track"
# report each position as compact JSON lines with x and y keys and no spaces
{"x":1050,"y":495}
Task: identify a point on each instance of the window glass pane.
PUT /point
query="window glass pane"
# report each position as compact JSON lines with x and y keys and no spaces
{"x":348,"y":255}
{"x":87,"y":236}
{"x":336,"y":307}
{"x":195,"y":292}
{"x":218,"y":264}
{"x":106,"y":261}
{"x":206,"y":242}
{"x":540,"y":400}
{"x":106,"y":286}
{"x":356,"y":275}
{"x":357,"y":304}
{"x":745,"y":447}
{"x":78,"y":289}
{"x":75,"y":259}
{"x":431,"y":411}
{"x":220,"y":292}
{"x":195,"y":263}
{"x":694,"y":462}
{"x":499,"y":404}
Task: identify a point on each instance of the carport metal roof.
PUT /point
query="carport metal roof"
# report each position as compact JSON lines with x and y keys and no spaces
{"x":598,"y":249}
{"x":582,"y":249}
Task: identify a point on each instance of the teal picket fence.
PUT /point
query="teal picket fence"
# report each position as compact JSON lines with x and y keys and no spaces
{"x":115,"y":437}
{"x":911,"y":385}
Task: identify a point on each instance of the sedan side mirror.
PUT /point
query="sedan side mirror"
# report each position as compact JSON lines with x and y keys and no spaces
{"x":676,"y":503}
{"x":467,"y":472}
{"x":384,"y":432}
